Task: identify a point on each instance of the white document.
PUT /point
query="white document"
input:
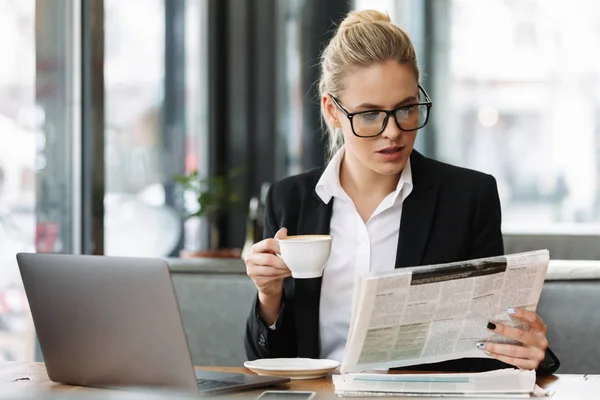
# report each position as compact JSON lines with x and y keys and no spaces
{"x":436,"y":313}
{"x":510,"y":383}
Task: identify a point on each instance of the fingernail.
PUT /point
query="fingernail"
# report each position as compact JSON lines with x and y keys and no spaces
{"x":480,"y":345}
{"x":491,"y":326}
{"x":511,"y":310}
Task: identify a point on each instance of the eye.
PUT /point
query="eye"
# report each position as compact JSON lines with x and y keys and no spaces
{"x":374,"y":116}
{"x":405,"y":112}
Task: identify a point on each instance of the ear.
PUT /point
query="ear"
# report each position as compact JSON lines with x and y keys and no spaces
{"x":330,"y":111}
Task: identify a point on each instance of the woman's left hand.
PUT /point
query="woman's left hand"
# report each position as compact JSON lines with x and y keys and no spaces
{"x":535,"y":343}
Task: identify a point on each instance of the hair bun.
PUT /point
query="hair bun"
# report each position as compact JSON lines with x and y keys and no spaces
{"x":362,"y":17}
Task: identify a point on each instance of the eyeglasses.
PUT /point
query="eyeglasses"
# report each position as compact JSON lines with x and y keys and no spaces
{"x":372,"y":123}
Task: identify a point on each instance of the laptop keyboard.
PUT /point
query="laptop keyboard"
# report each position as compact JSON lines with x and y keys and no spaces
{"x":207,"y":384}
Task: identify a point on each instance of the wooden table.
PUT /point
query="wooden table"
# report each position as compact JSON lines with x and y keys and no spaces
{"x":30,"y":379}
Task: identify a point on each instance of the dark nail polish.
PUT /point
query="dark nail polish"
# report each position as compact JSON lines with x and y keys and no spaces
{"x":491,"y":326}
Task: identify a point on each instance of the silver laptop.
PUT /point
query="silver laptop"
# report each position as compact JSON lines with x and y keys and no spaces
{"x":115,"y":322}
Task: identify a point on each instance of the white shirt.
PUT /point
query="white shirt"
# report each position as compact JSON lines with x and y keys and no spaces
{"x":356,"y":248}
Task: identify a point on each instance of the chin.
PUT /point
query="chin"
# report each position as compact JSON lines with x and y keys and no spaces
{"x":390,"y":168}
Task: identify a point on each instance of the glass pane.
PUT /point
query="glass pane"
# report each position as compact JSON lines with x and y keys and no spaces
{"x":56,"y":121}
{"x":37,"y":110}
{"x":386,"y":6}
{"x":523,"y":103}
{"x":196,"y":114}
{"x":17,"y":176}
{"x":143,"y":152}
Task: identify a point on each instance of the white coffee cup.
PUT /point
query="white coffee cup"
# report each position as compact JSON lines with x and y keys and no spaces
{"x":305,"y":255}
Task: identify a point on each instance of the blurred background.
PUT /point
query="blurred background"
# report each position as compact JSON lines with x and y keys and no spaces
{"x":104,"y":103}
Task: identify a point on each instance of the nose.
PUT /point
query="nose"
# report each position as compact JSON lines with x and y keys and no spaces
{"x":391,"y":130}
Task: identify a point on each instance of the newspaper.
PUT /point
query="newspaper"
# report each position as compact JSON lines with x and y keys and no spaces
{"x":435,"y":313}
{"x":509,"y":383}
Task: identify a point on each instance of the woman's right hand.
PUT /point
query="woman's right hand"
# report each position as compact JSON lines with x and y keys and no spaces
{"x":268,"y":271}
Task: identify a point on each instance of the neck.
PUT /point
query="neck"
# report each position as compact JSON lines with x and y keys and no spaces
{"x":356,"y":179}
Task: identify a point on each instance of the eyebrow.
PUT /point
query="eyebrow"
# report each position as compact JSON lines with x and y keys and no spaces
{"x":372,"y":106}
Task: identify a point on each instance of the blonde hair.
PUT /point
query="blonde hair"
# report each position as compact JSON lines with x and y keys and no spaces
{"x":363,"y":38}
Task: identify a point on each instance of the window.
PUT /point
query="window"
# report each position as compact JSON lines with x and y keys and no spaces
{"x":385,"y":6}
{"x":17,"y":165}
{"x":147,"y":142}
{"x":37,"y":131}
{"x":518,"y":96}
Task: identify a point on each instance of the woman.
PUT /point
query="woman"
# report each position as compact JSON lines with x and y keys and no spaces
{"x":386,"y":206}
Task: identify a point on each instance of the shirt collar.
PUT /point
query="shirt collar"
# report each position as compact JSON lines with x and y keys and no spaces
{"x":329,"y":184}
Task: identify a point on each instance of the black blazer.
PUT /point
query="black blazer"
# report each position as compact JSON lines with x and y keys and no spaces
{"x":452,"y":214}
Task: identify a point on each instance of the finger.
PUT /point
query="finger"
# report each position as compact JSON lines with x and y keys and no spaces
{"x":265,"y":259}
{"x":266,"y":246}
{"x":517,"y":362}
{"x":281,"y":233}
{"x":267,"y":272}
{"x":525,"y":337}
{"x":266,"y":283}
{"x":511,"y":350}
{"x":268,"y":286}
{"x":534,"y":320}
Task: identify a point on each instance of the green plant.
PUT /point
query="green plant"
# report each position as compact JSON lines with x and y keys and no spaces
{"x":213,"y":196}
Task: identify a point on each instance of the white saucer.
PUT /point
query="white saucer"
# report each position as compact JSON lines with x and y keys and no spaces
{"x":293,"y":368}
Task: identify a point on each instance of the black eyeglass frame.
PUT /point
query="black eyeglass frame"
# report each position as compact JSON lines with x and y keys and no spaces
{"x":428,"y":103}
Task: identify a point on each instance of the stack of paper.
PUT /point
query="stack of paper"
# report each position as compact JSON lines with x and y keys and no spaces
{"x":506,"y":383}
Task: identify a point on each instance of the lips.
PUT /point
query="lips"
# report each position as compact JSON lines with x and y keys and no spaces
{"x":391,"y":154}
{"x":391,"y":150}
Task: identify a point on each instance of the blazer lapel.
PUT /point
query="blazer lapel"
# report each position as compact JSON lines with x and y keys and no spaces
{"x":315,"y":218}
{"x":418,"y":211}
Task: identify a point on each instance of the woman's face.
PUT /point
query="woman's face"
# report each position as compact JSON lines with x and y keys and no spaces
{"x":383,"y":86}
